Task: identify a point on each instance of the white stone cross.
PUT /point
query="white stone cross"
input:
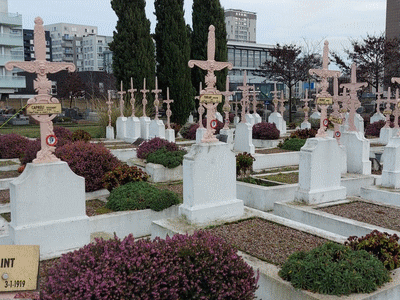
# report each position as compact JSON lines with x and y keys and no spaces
{"x":168,"y":112}
{"x":227,"y":108}
{"x":210,"y":65}
{"x":43,"y":87}
{"x":275,"y":100}
{"x":156,"y":91}
{"x":109,"y":103}
{"x":324,"y":74}
{"x":132,"y":92}
{"x":144,"y":101}
{"x":245,"y":97}
{"x":121,"y":94}
{"x":353,"y":102}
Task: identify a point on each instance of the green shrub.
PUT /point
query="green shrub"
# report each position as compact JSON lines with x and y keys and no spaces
{"x":140,"y":195}
{"x":292,"y":144}
{"x":121,"y":175}
{"x":81,"y":135}
{"x":169,"y":159}
{"x":383,"y":245}
{"x":335,"y":270}
{"x":244,"y":163}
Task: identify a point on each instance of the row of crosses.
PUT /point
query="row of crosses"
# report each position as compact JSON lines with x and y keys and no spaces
{"x":144,"y":91}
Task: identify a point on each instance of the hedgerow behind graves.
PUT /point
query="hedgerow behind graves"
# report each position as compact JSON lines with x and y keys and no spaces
{"x":200,"y":266}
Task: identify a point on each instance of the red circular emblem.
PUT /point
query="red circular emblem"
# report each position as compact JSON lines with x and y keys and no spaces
{"x":51,"y":140}
{"x":213,"y":124}
{"x":325,"y":122}
{"x":337,"y":134}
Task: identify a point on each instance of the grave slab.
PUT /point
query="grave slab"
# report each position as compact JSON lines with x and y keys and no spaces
{"x":357,"y":149}
{"x":319,"y":172}
{"x":305,"y":125}
{"x":121,"y":127}
{"x":278,"y":120}
{"x":170,"y":135}
{"x":200,"y":132}
{"x":243,"y":138}
{"x":250,"y":119}
{"x":145,"y":128}
{"x":315,"y":115}
{"x":391,"y":165}
{"x":386,"y":134}
{"x":132,"y":129}
{"x":257,"y":118}
{"x":157,"y":129}
{"x":209,"y":184}
{"x":377,"y":117}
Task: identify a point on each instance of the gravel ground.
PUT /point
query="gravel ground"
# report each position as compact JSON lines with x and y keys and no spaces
{"x":266,"y":240}
{"x":379,"y":215}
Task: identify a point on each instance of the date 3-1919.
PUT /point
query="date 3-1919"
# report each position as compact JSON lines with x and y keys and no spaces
{"x":14,"y":283}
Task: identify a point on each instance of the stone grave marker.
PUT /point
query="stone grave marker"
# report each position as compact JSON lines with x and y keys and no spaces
{"x":378,"y":116}
{"x":144,"y":120}
{"x":121,"y":120}
{"x":305,"y":124}
{"x":257,"y":118}
{"x":157,"y":127}
{"x":227,"y":108}
{"x":169,"y":132}
{"x":276,"y":117}
{"x":109,"y":128}
{"x":133,"y":122}
{"x":201,"y":130}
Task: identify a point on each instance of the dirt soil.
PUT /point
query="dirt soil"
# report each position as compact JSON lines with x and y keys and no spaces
{"x":272,"y":150}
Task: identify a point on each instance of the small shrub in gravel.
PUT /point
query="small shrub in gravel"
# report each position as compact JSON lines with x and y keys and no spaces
{"x":200,"y":266}
{"x":293,"y":144}
{"x":140,"y":195}
{"x":374,"y":129}
{"x":304,"y":133}
{"x":169,"y":159}
{"x":244,"y":164}
{"x":381,"y":244}
{"x":91,"y":161}
{"x":121,"y":175}
{"x":12,"y":145}
{"x":265,"y":131}
{"x":81,"y":135}
{"x":335,"y":270}
{"x":153,"y":145}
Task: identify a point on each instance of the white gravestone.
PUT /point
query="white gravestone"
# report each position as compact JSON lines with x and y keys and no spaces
{"x":157,"y":129}
{"x":132,"y":129}
{"x":250,"y":119}
{"x":209,"y":184}
{"x":144,"y":120}
{"x":378,"y":116}
{"x":320,"y":172}
{"x":357,"y":149}
{"x":110,"y":133}
{"x":121,"y":127}
{"x":391,"y":164}
{"x":219,"y":117}
{"x":278,"y":120}
{"x":244,"y":138}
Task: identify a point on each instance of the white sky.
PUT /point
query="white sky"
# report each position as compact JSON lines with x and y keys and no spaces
{"x":278,"y":21}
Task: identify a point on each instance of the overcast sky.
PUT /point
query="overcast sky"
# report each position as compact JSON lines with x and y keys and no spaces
{"x":278,"y":21}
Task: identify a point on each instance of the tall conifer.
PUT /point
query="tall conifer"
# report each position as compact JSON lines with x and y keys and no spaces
{"x":132,"y":45}
{"x":172,"y":55}
{"x":204,"y":14}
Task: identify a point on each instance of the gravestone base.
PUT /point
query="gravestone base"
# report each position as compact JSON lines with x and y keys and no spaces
{"x":278,"y":120}
{"x":121,"y":127}
{"x":315,"y":115}
{"x":243,"y":141}
{"x":157,"y":129}
{"x":229,"y":134}
{"x":203,"y":200}
{"x":391,"y":165}
{"x":257,"y":118}
{"x":358,"y":123}
{"x":190,"y":119}
{"x":199,"y":134}
{"x":110,"y":133}
{"x":236,"y":120}
{"x":48,"y":208}
{"x":386,"y":134}
{"x":132,"y":129}
{"x":219,"y":117}
{"x":145,"y":128}
{"x":305,"y":125}
{"x":250,"y":119}
{"x":320,"y":172}
{"x":170,"y":135}
{"x":377,"y":117}
{"x":357,"y":150}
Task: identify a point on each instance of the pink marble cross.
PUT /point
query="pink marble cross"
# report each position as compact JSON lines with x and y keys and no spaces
{"x":396,"y":109}
{"x":379,"y":100}
{"x":169,"y":112}
{"x":353,"y":102}
{"x":43,"y":87}
{"x":226,"y":108}
{"x":121,"y":94}
{"x":156,"y":103}
{"x":109,"y":103}
{"x":201,"y":108}
{"x":254,"y":102}
{"x":245,"y":97}
{"x":336,"y":116}
{"x":282,"y":102}
{"x":144,"y":101}
{"x":210,"y":65}
{"x":306,"y":109}
{"x":387,"y":112}
{"x":275,"y":100}
{"x":132,"y":92}
{"x":324,"y":74}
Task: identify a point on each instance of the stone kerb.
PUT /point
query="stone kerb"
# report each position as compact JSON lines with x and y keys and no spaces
{"x":159,"y":173}
{"x":320,"y":172}
{"x":48,"y":208}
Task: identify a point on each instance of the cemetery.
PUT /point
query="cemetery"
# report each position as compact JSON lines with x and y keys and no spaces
{"x":227,"y":192}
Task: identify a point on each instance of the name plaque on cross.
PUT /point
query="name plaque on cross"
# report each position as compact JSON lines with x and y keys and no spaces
{"x":211,"y":98}
{"x":325,"y":101}
{"x":43,"y":87}
{"x":43,"y":109}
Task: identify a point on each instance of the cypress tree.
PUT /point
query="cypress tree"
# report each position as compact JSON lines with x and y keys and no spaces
{"x":132,"y":46}
{"x":204,"y":14}
{"x":172,"y":55}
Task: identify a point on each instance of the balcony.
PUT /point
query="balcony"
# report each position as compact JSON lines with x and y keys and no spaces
{"x":11,"y":19}
{"x":7,"y":58}
{"x":14,"y":82}
{"x":11,"y":40}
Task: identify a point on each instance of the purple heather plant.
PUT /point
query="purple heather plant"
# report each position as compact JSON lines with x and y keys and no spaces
{"x":200,"y":266}
{"x":64,"y":135}
{"x":12,"y":145}
{"x":91,"y":161}
{"x":153,"y":145}
{"x":265,"y":131}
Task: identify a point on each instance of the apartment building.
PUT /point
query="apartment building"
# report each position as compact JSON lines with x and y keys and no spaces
{"x":392,"y":19}
{"x":29,"y":47}
{"x":89,"y":56}
{"x":240,"y":25}
{"x":11,"y":49}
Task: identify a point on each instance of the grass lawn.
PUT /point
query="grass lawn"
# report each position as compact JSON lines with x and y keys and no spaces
{"x":33,"y":131}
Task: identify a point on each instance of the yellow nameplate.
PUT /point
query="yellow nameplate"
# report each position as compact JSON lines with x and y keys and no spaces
{"x":19,"y":268}
{"x":324,"y":101}
{"x":336,"y":120}
{"x":211,"y":98}
{"x":43,"y":109}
